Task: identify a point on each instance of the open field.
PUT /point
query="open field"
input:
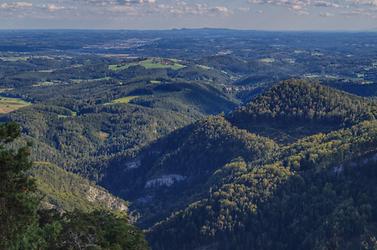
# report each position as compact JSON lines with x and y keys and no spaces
{"x":8,"y":104}
{"x":126,"y":99}
{"x":155,"y":82}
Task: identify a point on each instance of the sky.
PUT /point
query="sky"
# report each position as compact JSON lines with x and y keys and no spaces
{"x":166,"y":14}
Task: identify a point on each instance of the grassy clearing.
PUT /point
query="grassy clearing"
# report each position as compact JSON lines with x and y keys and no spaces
{"x":155,"y":82}
{"x":152,"y":63}
{"x":267,"y":60}
{"x":126,"y":99}
{"x":73,"y":114}
{"x":117,"y":67}
{"x":8,"y":104}
{"x":46,"y":70}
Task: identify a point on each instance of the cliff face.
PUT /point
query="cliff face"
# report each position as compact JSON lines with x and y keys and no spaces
{"x":97,"y":195}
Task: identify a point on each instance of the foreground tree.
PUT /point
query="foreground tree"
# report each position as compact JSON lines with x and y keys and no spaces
{"x":24,"y":226}
{"x":18,"y":203}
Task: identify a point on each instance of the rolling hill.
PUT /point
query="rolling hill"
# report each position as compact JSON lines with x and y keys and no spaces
{"x":297,"y":108}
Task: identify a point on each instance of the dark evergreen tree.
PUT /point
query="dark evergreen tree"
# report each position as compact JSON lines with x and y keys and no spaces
{"x":18,"y":204}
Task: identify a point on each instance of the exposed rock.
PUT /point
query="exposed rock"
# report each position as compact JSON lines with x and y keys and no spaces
{"x":133,"y":164}
{"x":97,"y":195}
{"x":165,"y":180}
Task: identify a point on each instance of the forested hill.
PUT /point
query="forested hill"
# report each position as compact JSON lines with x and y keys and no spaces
{"x":314,"y":192}
{"x":302,"y":100}
{"x":177,"y":169}
{"x":319,"y":194}
{"x":296,"y":108}
{"x":166,"y":174}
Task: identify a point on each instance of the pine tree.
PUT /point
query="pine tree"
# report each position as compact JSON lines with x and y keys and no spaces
{"x":18,"y":204}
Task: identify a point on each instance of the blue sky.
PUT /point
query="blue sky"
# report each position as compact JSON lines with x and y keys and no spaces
{"x":166,"y":14}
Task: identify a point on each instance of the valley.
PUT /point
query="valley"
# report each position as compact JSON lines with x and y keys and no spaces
{"x":202,"y":139}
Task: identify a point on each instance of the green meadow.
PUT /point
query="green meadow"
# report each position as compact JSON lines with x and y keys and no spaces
{"x":126,"y":99}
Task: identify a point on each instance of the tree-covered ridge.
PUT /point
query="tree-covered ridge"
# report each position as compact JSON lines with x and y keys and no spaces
{"x":183,"y":161}
{"x":86,"y":115}
{"x":318,"y":194}
{"x":297,"y":100}
{"x":210,"y":142}
{"x":82,"y":142}
{"x":326,"y":150}
{"x":296,"y":108}
{"x":26,"y":225}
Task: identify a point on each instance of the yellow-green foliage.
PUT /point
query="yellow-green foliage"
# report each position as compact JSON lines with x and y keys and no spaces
{"x":68,"y":192}
{"x":126,"y":99}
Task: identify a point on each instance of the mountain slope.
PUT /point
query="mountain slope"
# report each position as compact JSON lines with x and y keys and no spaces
{"x":318,"y":194}
{"x":65,"y":191}
{"x":174,"y":170}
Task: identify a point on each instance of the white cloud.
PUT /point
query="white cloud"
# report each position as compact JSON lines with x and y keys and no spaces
{"x":361,"y":7}
{"x":181,"y":8}
{"x":54,"y":7}
{"x":16,"y":5}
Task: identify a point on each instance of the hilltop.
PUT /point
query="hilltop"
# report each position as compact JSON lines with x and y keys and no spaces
{"x":297,"y":108}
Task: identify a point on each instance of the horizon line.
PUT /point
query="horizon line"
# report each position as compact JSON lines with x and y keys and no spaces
{"x":373,"y":30}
